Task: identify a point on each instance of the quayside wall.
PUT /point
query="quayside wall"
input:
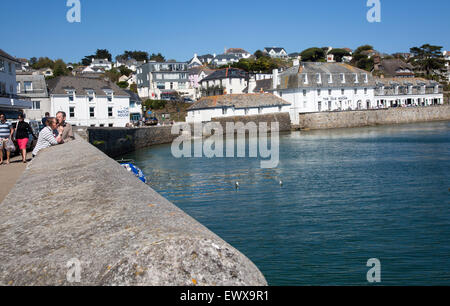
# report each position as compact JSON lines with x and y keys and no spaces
{"x":331,"y":120}
{"x":76,"y":217}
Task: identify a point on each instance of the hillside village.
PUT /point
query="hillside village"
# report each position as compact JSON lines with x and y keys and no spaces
{"x":104,"y":92}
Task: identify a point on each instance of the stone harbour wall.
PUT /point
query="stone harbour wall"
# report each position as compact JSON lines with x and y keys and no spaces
{"x":76,"y":217}
{"x":350,"y":119}
{"x":118,"y":141}
{"x":283,"y":119}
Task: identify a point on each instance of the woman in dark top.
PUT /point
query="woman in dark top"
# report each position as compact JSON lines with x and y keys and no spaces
{"x":23,"y":131}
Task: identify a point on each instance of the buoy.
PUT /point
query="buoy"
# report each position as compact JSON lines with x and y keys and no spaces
{"x":281,"y":183}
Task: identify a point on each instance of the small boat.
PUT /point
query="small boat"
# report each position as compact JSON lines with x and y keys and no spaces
{"x":128,"y":164}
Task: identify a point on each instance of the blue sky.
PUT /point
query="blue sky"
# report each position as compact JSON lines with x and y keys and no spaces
{"x":178,"y":29}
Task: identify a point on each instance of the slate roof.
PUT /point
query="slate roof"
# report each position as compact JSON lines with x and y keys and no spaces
{"x":7,"y":56}
{"x":226,"y":73}
{"x":59,"y":85}
{"x":239,"y":101}
{"x":199,"y":69}
{"x":133,"y":96}
{"x":403,"y":85}
{"x":226,"y":57}
{"x":276,"y":49}
{"x":38,"y":81}
{"x":390,"y":66}
{"x":235,"y":51}
{"x":263,"y":85}
{"x":296,"y":76}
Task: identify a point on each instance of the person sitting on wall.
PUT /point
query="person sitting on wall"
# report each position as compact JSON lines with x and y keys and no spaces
{"x":46,"y":138}
{"x":67,"y":133}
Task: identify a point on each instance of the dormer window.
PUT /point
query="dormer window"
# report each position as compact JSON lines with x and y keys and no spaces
{"x":342,"y":78}
{"x":410,"y":89}
{"x":356,"y":78}
{"x":366,"y":78}
{"x":70,"y":93}
{"x":436,"y":89}
{"x":90,"y":94}
{"x":306,"y":78}
{"x":423,"y":89}
{"x":319,"y":78}
{"x":109,"y":94}
{"x":396,"y":89}
{"x":330,"y":78}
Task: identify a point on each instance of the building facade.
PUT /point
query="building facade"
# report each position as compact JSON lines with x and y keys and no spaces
{"x":224,"y":81}
{"x":10,"y":103}
{"x":89,"y":101}
{"x":207,"y":108}
{"x":401,"y":92}
{"x":276,"y":52}
{"x":318,"y":87}
{"x":157,"y":80}
{"x":34,"y":87}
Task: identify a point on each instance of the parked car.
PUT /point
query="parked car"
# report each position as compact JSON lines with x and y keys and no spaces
{"x":151,"y":121}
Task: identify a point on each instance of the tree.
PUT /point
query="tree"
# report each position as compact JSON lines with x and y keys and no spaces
{"x":429,"y":60}
{"x":313,"y":55}
{"x":87,"y":60}
{"x":258,"y":54}
{"x":113,"y":75}
{"x":43,"y":62}
{"x":125,"y":71}
{"x":133,"y":88}
{"x":137,"y":55}
{"x":103,"y":54}
{"x":123,"y":84}
{"x":60,"y":68}
{"x":361,"y":59}
{"x":339,"y":54}
{"x":157,"y":58}
{"x":33,"y":61}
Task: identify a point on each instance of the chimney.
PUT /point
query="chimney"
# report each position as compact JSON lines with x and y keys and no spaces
{"x":274,"y":79}
{"x":251,"y":84}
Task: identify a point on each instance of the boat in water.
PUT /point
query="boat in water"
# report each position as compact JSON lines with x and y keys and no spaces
{"x":130,"y":167}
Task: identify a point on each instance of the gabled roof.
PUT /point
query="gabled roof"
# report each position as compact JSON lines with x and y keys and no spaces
{"x":199,"y":69}
{"x":239,"y":101}
{"x":59,"y":85}
{"x":226,"y":57}
{"x":226,"y":73}
{"x":7,"y":56}
{"x":276,"y":49}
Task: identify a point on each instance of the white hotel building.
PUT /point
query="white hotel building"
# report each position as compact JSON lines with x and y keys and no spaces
{"x":328,"y":87}
{"x":89,"y":101}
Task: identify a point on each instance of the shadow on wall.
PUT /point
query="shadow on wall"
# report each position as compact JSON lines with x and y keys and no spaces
{"x":118,"y":141}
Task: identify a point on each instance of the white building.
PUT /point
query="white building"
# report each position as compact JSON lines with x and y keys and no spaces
{"x":318,"y":87}
{"x":224,"y":81}
{"x":276,"y":52}
{"x":225,"y":59}
{"x":407,"y":92}
{"x":10,"y":104}
{"x":98,"y":63}
{"x":90,"y":101}
{"x":34,"y":87}
{"x":207,"y":108}
{"x":447,"y":64}
{"x":158,"y":81}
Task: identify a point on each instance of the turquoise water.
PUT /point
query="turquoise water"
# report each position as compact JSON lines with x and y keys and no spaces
{"x":348,"y":195}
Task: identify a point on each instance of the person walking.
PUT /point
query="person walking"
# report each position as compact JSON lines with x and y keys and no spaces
{"x":46,"y":138}
{"x":22,"y":135}
{"x":6,"y":133}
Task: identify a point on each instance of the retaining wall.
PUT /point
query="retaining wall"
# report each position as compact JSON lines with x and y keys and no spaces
{"x":283,"y":119}
{"x":76,"y":208}
{"x":349,"y":119}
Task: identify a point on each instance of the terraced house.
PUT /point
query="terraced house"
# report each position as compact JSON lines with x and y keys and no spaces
{"x":161,"y":80}
{"x":224,"y":81}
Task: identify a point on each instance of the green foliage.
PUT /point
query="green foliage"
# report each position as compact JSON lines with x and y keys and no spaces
{"x":125,"y":71}
{"x":361,"y":60}
{"x":154,"y":104}
{"x":43,"y":62}
{"x":60,"y":68}
{"x":113,"y":75}
{"x":339,"y":54}
{"x":123,"y":85}
{"x":263,"y":64}
{"x":137,"y":55}
{"x":157,"y":57}
{"x":258,"y":54}
{"x":133,"y":88}
{"x":313,"y":55}
{"x":428,"y":60}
